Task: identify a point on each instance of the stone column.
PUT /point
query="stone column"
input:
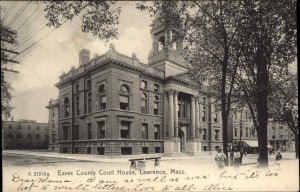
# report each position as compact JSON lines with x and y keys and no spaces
{"x":197,"y":117}
{"x":171,"y":113}
{"x":192,"y":117}
{"x":176,"y":113}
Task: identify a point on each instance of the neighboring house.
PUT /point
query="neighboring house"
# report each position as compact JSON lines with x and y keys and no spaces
{"x":241,"y":132}
{"x":116,"y":105}
{"x":25,"y":134}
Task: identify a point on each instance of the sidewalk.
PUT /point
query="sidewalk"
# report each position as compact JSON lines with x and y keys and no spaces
{"x":247,"y":160}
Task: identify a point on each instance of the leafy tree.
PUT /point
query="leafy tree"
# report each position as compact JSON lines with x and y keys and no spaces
{"x":284,"y":105}
{"x":98,"y":17}
{"x":268,"y":39}
{"x":8,"y":36}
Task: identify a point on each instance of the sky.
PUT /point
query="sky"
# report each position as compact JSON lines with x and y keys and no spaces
{"x":57,"y":51}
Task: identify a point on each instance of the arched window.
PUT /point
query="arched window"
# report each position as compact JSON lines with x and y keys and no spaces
{"x":156,"y":105}
{"x":89,"y":102}
{"x":144,"y":102}
{"x":124,"y":97}
{"x":102,"y":97}
{"x":66,"y":107}
{"x":124,"y":89}
{"x":161,"y":43}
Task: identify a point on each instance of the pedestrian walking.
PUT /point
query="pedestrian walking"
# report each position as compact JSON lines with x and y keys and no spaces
{"x":278,"y":158}
{"x":220,"y":158}
{"x":236,"y":158}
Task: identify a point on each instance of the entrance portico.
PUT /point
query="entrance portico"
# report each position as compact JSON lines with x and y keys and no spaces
{"x":182,"y":123}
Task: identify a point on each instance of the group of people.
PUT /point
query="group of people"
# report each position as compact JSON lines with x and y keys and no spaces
{"x":221,"y":158}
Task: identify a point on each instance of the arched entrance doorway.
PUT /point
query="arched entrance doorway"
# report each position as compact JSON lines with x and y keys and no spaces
{"x":182,"y":136}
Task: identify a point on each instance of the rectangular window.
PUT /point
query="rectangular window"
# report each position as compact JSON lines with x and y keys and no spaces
{"x":273,"y":136}
{"x":53,"y":124}
{"x":217,"y":134}
{"x":10,"y":126}
{"x":76,"y":132}
{"x":76,"y":88}
{"x":100,"y":150}
{"x":38,"y":128}
{"x":157,"y":149}
{"x":77,"y":106}
{"x":76,"y":150}
{"x":156,"y":87}
{"x":65,"y":133}
{"x":53,"y":138}
{"x":101,"y":129}
{"x":247,"y":131}
{"x":145,"y":150}
{"x":126,"y":150}
{"x":156,"y":131}
{"x":144,"y":131}
{"x":143,"y":106}
{"x":28,"y":127}
{"x":65,"y":149}
{"x":215,"y":117}
{"x":19,"y":126}
{"x":124,"y":102}
{"x":88,"y":150}
{"x":143,"y":84}
{"x":102,"y":102}
{"x":125,"y":129}
{"x":235,"y":132}
{"x":155,"y":108}
{"x":89,"y":130}
{"x":89,"y":105}
{"x":204,"y":134}
{"x":203,"y":113}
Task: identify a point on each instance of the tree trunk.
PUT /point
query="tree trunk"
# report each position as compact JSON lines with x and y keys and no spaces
{"x":223,"y":104}
{"x":262,"y":106}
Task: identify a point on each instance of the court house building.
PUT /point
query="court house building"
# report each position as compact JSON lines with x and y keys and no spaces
{"x":115,"y":105}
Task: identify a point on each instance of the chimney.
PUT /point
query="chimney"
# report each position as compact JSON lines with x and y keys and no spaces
{"x":84,"y":57}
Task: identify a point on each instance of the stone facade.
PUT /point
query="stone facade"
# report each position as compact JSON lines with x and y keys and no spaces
{"x":53,"y":125}
{"x":116,"y":105}
{"x":25,"y":134}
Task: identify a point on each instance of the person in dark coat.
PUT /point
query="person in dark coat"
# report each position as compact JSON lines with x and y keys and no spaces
{"x":278,"y":158}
